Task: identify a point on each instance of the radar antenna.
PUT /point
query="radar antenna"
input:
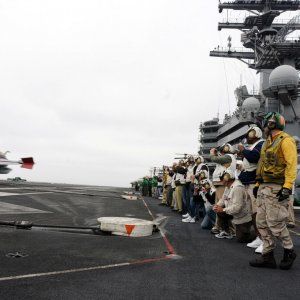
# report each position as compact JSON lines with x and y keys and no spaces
{"x":287,"y":29}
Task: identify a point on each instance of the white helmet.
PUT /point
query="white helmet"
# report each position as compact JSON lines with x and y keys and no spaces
{"x":199,"y":157}
{"x":206,"y":183}
{"x":227,"y":175}
{"x":227,"y":148}
{"x":256,"y":129}
{"x":203,"y":174}
{"x":191,"y":158}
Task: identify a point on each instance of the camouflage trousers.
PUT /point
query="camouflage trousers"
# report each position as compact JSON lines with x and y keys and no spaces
{"x":271,"y":217}
{"x":164,"y":195}
{"x":178,"y":191}
{"x":174,"y":202}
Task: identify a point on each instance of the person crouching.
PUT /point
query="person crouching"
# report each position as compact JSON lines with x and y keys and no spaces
{"x":234,"y":206}
{"x":208,"y":194}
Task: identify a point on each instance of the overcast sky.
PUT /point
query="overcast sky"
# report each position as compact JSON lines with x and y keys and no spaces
{"x":98,"y":91}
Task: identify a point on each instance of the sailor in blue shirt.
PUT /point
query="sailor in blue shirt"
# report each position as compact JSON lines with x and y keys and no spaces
{"x":251,"y":155}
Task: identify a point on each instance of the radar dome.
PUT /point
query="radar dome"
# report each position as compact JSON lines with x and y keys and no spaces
{"x":251,"y":104}
{"x":284,"y":75}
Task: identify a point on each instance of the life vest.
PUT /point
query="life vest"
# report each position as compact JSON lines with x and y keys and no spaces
{"x":232,"y":166}
{"x":219,"y":170}
{"x":190,"y":173}
{"x":272,"y":163}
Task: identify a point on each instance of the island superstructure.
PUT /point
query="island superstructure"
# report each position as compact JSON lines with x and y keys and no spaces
{"x":268,"y":49}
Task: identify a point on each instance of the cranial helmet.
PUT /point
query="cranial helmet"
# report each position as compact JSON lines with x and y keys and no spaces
{"x":254,"y":129}
{"x":200,"y":158}
{"x":203,"y":174}
{"x":191,"y":158}
{"x":227,"y":175}
{"x":275,"y":117}
{"x":205,"y":183}
{"x":227,"y":148}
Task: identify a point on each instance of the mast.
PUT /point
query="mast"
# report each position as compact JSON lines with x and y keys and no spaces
{"x":265,"y":47}
{"x":260,"y":6}
{"x":265,"y":40}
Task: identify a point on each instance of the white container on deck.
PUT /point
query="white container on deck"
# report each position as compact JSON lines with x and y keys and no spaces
{"x":126,"y":226}
{"x":129,"y":197}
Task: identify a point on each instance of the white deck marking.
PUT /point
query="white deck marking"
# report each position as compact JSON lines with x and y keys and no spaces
{"x":63,"y":272}
{"x":11,"y":188}
{"x":4,"y":194}
{"x":8,"y":208}
{"x":118,"y":265}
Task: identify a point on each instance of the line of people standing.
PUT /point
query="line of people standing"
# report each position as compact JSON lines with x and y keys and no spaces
{"x":151,"y":186}
{"x":250,"y":199}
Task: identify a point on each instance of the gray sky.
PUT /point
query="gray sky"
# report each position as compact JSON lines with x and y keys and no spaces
{"x":98,"y":91}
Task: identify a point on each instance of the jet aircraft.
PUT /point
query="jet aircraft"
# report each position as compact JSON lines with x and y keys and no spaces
{"x":25,"y":162}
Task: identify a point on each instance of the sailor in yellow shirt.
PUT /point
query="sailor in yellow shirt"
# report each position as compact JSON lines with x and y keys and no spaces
{"x":165,"y":189}
{"x":276,"y":173}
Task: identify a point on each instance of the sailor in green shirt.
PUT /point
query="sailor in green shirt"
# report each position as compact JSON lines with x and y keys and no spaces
{"x":154,"y":185}
{"x":145,"y":184}
{"x":150,"y":187}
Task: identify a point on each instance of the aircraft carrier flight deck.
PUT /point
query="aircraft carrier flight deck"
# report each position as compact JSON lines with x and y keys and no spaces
{"x":61,"y":256}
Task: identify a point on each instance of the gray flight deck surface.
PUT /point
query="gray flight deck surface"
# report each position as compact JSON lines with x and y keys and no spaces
{"x":79,"y":265}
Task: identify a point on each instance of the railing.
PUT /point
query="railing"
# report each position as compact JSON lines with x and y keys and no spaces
{"x":259,"y":2}
{"x":232,"y":20}
{"x":204,"y":126}
{"x":289,"y":39}
{"x":208,"y":145}
{"x":232,"y":49}
{"x":288,"y":28}
{"x":238,"y":20}
{"x":210,"y":135}
{"x":281,"y":21}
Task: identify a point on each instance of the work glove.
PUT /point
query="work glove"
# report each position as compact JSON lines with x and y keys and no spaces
{"x":255,"y":190}
{"x":283,"y":194}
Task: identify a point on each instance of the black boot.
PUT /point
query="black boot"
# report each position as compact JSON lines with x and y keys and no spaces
{"x":288,"y":258}
{"x":267,"y":260}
